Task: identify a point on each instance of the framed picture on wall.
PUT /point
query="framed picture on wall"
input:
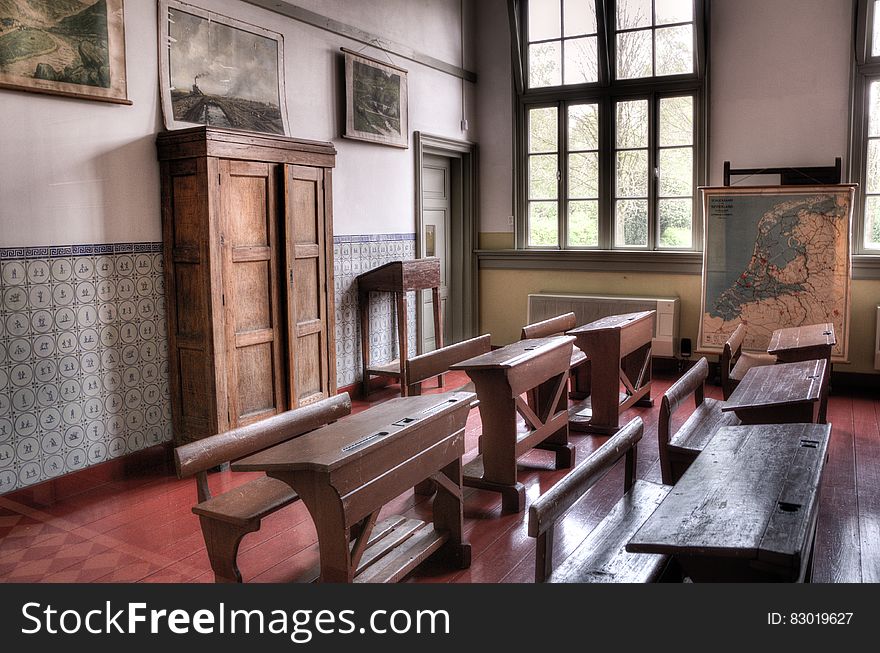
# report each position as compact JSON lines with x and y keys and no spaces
{"x":218,"y":71}
{"x":375,"y":101}
{"x":75,"y":49}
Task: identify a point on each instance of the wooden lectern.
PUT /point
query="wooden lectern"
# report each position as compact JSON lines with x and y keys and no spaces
{"x":397,"y":277}
{"x":619,"y":349}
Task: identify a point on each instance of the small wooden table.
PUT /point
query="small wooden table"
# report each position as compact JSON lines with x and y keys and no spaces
{"x":619,"y":349}
{"x":398,"y":278}
{"x":501,"y":377}
{"x":346,"y":471}
{"x":779,"y":394}
{"x":804,"y":343}
{"x":746,"y":509}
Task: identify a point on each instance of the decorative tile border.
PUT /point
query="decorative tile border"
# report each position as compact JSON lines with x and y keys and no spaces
{"x":83,"y":348}
{"x":83,"y":357}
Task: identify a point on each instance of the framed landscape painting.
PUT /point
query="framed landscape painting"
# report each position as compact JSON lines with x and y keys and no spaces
{"x":375,"y":101}
{"x":74,"y":48}
{"x":775,"y":257}
{"x":219,"y":71}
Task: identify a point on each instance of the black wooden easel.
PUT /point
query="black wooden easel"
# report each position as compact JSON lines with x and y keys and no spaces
{"x":789,"y":176}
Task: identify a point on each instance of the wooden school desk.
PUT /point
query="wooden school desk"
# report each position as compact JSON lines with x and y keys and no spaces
{"x":746,"y":509}
{"x":346,"y":471}
{"x":501,"y":377}
{"x":619,"y":349}
{"x":781,"y":393}
{"x":805,"y":343}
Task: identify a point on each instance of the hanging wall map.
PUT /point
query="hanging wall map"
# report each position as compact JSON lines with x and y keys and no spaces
{"x":775,"y":257}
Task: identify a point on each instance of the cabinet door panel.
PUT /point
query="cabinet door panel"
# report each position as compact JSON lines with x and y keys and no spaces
{"x":307,"y":280}
{"x":251,"y":278}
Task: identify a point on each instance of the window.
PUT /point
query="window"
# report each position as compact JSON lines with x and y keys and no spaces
{"x":866,"y":145}
{"x":610,"y":152}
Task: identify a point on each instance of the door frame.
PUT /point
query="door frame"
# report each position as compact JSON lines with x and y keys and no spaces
{"x":467,"y":153}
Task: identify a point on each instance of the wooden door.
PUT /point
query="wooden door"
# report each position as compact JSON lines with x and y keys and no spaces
{"x":307,"y":285}
{"x":436,"y":211}
{"x":256,"y":385}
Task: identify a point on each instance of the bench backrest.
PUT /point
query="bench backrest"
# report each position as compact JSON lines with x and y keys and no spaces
{"x":553,"y":326}
{"x":199,"y":456}
{"x":692,"y":382}
{"x":730,"y":354}
{"x":437,"y":362}
{"x":553,"y":504}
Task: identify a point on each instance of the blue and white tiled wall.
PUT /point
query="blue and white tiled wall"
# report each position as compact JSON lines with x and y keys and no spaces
{"x":83,"y":357}
{"x":354,"y":255}
{"x":83,"y":348}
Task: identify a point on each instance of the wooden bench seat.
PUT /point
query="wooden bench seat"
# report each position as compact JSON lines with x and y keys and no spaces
{"x":735,"y":362}
{"x":580,"y":363}
{"x":602,"y":557}
{"x":678,"y":450}
{"x":226,"y":518}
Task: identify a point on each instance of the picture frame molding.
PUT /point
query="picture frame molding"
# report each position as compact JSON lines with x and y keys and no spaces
{"x":349,"y":132}
{"x":169,"y":121}
{"x":117,"y":93}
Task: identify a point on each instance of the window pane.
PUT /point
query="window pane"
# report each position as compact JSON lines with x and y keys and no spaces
{"x":631,"y":223}
{"x":673,"y":11}
{"x":542,"y":177}
{"x":874,"y":109}
{"x":583,"y":224}
{"x":677,"y":172}
{"x":675,"y":50}
{"x":545,"y":64}
{"x":632,"y":173}
{"x":579,"y":17}
{"x":544,"y":20}
{"x":583,"y":175}
{"x":677,"y":121}
{"x":872,"y":222}
{"x":632,"y":124}
{"x":633,"y":13}
{"x":543,"y":224}
{"x":581,"y":61}
{"x":583,"y":127}
{"x":676,"y":222}
{"x":875,"y":38}
{"x":542,"y":130}
{"x":872,"y":170}
{"x":634,"y":53}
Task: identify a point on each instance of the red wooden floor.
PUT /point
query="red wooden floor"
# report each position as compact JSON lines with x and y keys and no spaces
{"x":98,"y":528}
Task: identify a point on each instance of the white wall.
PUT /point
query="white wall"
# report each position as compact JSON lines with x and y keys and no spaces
{"x":75,"y":171}
{"x":779,"y":91}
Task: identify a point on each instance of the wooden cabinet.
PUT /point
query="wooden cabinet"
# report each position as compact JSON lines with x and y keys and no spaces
{"x":248,"y":246}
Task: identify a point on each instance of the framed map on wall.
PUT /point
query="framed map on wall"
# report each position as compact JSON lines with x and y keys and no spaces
{"x":774,"y":257}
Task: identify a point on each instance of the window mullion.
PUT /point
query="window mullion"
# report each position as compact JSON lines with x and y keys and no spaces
{"x":606,"y":174}
{"x":562,"y":174}
{"x":653,"y":170}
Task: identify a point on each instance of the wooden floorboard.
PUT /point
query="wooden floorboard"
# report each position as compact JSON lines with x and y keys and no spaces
{"x":97,"y":527}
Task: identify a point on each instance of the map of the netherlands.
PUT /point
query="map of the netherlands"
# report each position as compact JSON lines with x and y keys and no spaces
{"x":775,"y":257}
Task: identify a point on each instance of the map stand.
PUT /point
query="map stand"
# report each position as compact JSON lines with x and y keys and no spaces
{"x":789,"y":176}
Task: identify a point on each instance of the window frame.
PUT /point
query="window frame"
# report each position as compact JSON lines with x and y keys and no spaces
{"x":605,"y":93}
{"x":866,"y":70}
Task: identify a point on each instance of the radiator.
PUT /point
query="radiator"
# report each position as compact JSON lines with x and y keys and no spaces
{"x":591,"y":307}
{"x":877,"y":341}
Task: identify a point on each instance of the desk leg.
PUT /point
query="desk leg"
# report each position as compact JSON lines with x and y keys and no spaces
{"x":334,"y":538}
{"x":364,"y":308}
{"x":495,"y":470}
{"x":556,"y":442}
{"x":402,"y":340}
{"x":449,"y":514}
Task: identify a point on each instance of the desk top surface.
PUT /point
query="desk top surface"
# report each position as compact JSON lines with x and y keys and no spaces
{"x":516,"y":353}
{"x":778,"y":385}
{"x":354,"y":436}
{"x":613,"y":322}
{"x":802,"y":337}
{"x":751,"y":493}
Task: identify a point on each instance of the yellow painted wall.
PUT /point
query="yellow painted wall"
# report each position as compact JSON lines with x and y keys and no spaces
{"x":504,"y":302}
